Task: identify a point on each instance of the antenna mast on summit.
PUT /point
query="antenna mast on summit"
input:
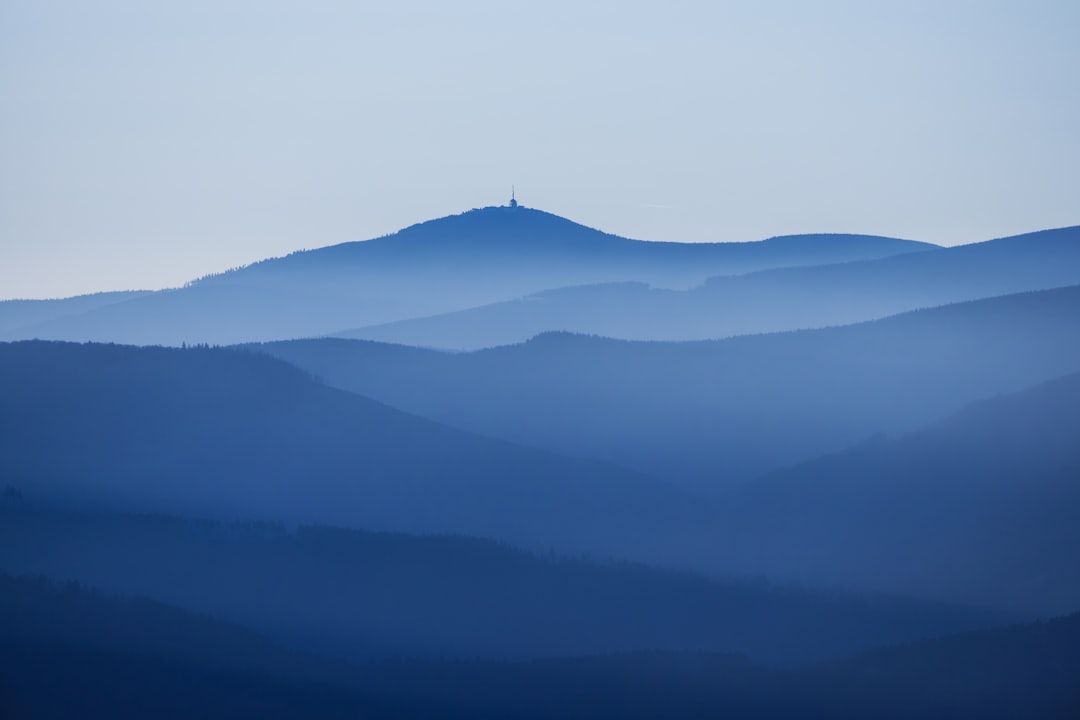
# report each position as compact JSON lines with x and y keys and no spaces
{"x":513,"y":197}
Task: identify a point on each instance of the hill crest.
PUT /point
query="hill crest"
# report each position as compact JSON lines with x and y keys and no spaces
{"x":500,"y":228}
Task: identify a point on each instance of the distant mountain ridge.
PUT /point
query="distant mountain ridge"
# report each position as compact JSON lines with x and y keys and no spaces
{"x":768,"y":300}
{"x":226,"y":433}
{"x":479,"y":257}
{"x":708,"y":414}
{"x":981,"y":504}
{"x":18,"y":314}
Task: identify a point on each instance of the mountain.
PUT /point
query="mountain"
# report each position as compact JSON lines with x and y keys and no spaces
{"x":980,"y":505}
{"x":15,"y":315}
{"x":366,"y":596}
{"x":67,"y":650}
{"x":765,"y":301}
{"x":68,"y":661}
{"x":708,"y":415}
{"x":226,"y":433}
{"x":478,"y":257}
{"x":1018,"y":672}
{"x":72,"y":613}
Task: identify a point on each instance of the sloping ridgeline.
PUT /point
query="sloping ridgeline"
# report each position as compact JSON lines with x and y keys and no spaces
{"x":362,"y":595}
{"x":709,"y":415}
{"x":980,"y":507}
{"x":17,"y":315}
{"x":227,"y":433}
{"x":773,"y":300}
{"x":68,"y":651}
{"x":478,"y":257}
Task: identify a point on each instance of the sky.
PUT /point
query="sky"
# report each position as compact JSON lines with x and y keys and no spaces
{"x":143,"y":144}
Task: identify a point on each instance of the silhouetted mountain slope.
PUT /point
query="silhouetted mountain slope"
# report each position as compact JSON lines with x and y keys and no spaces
{"x":35,"y":607}
{"x":1024,"y":671}
{"x":1015,"y":672}
{"x":69,"y":651}
{"x":15,"y":315}
{"x":710,"y":414}
{"x":43,"y":680}
{"x":230,"y":433}
{"x":363,"y":595}
{"x":462,"y":261}
{"x":980,"y":506}
{"x":767,"y":301}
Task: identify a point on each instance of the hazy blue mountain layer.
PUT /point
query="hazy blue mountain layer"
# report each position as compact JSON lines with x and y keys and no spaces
{"x":762,"y":506}
{"x":452,"y":263}
{"x":67,"y":651}
{"x":227,"y":433}
{"x":981,"y":505}
{"x":18,"y":314}
{"x":709,"y":415}
{"x":765,"y":301}
{"x":362,"y":595}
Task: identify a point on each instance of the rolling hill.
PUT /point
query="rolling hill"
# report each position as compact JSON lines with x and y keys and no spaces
{"x":365,"y":596}
{"x":980,"y":505}
{"x":18,"y":314}
{"x":709,"y":415}
{"x":224,"y":433}
{"x":478,"y":257}
{"x":765,"y":301}
{"x":70,"y":661}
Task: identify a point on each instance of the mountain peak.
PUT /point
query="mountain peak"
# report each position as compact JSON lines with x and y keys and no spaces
{"x":482,"y":256}
{"x":497,"y":224}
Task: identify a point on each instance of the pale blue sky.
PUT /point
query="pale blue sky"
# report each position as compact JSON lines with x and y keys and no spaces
{"x":146,"y":143}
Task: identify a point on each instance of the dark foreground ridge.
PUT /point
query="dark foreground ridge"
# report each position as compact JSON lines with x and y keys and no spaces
{"x":67,"y":651}
{"x":372,"y":596}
